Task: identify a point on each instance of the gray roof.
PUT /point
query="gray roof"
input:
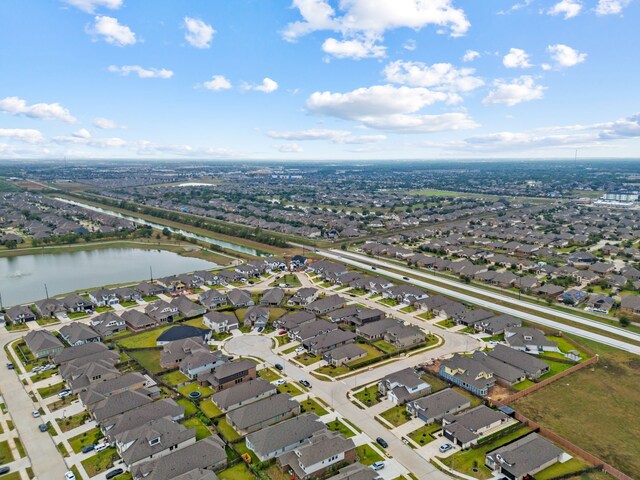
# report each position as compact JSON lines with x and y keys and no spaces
{"x":356,"y":471}
{"x":523,"y":336}
{"x":524,"y":361}
{"x":242,"y":392}
{"x":99,"y":390}
{"x":221,"y":317}
{"x":526,"y":455}
{"x":349,"y":350}
{"x":72,"y":353}
{"x":469,"y":370}
{"x":329,"y":339}
{"x":205,"y":453}
{"x":500,"y":369}
{"x":38,"y":340}
{"x":294,"y":319}
{"x":273,"y":295}
{"x":118,"y":404}
{"x":438,"y":404}
{"x":323,"y":445}
{"x":378,"y":328}
{"x":78,"y":332}
{"x":465,"y":425}
{"x":197,"y":474}
{"x":166,"y":407}
{"x":169,"y":432}
{"x":327,"y":304}
{"x":290,"y":432}
{"x":231,"y":368}
{"x":407,"y":377}
{"x":262,"y":410}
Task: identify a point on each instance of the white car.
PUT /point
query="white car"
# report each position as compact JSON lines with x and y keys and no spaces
{"x":299,"y":349}
{"x":101,"y":446}
{"x":64,"y":393}
{"x":377,"y":465}
{"x":35,"y":414}
{"x":445,"y":448}
{"x":69,"y":475}
{"x":277,"y":383}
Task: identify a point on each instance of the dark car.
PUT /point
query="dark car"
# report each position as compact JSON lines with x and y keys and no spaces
{"x":4,"y":470}
{"x":114,"y":473}
{"x":88,"y":448}
{"x":373,"y":268}
{"x":405,"y":278}
{"x":382,"y":442}
{"x":279,"y":366}
{"x":10,"y":366}
{"x":42,"y":427}
{"x":305,"y":383}
{"x":260,"y":329}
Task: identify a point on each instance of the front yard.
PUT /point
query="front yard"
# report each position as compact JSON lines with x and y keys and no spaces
{"x":87,"y":438}
{"x":368,"y":455}
{"x":268,"y":374}
{"x":369,"y":396}
{"x":424,"y":434}
{"x":100,"y":462}
{"x":310,"y":405}
{"x":291,"y":389}
{"x":307,"y":359}
{"x":397,"y":415}
{"x":72,"y":422}
{"x":338,"y":426}
{"x":46,"y":392}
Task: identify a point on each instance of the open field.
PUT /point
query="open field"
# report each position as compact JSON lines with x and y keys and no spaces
{"x":595,"y":408}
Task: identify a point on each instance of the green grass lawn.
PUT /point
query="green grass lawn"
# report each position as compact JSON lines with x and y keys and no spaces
{"x":77,"y":315}
{"x":5,"y":453}
{"x":446,"y":323}
{"x":559,"y":469}
{"x":63,"y":402}
{"x":143,"y":339}
{"x":426,"y":316}
{"x":189,"y":406}
{"x":210,"y":409}
{"x":151,"y":298}
{"x":72,"y":422}
{"x":436,"y":383}
{"x":390,"y":302}
{"x":76,"y":472}
{"x":174,"y":378}
{"x":226,"y":430}
{"x":43,"y":375}
{"x":282,"y":340}
{"x":465,"y":461}
{"x":269,"y":374}
{"x":396,"y":416}
{"x":87,"y":438}
{"x":369,"y":396}
{"x":372,"y":352}
{"x":408,"y":309}
{"x":100,"y":462}
{"x":149,"y":359}
{"x":310,"y":405}
{"x":20,"y":448}
{"x":423,"y":435}
{"x":241,"y":448}
{"x":290,"y":388}
{"x":11,"y":476}
{"x":333,"y":371}
{"x":385,"y":346}
{"x":338,"y":426}
{"x":368,"y":455}
{"x":237,"y":472}
{"x":201,"y":429}
{"x":46,"y":392}
{"x":47,"y":321}
{"x":307,"y":359}
{"x":276,"y":312}
{"x":193,"y":387}
{"x":611,"y":393}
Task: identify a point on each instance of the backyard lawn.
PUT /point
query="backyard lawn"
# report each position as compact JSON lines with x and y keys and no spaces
{"x":369,"y":396}
{"x":210,"y":409}
{"x":143,"y":339}
{"x":149,"y":359}
{"x":226,"y":430}
{"x":423,"y":435}
{"x":189,"y":407}
{"x":397,"y":415}
{"x":174,"y":378}
{"x":291,"y":389}
{"x":194,"y":387}
{"x":100,"y":462}
{"x":446,"y":323}
{"x":87,"y":438}
{"x":201,"y":429}
{"x":368,"y":455}
{"x":310,"y":405}
{"x":239,"y":471}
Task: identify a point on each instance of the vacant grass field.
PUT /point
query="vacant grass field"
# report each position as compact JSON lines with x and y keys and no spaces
{"x":333,"y":371}
{"x":396,"y":415}
{"x":369,"y":396}
{"x":385,"y":346}
{"x":595,"y":408}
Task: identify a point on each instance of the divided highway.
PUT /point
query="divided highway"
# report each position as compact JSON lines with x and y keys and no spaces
{"x":364,"y":262}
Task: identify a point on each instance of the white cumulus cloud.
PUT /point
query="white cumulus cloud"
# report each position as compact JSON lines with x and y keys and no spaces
{"x":565,"y":56}
{"x":141,"y":72}
{"x":335,"y":136}
{"x":568,"y":8}
{"x":289,"y":148}
{"x":112,"y":31}
{"x":522,"y":89}
{"x":470,"y":56}
{"x":42,"y":111}
{"x":217,"y":82}
{"x":90,"y":6}
{"x":82,"y":133}
{"x":439,"y":76}
{"x":104,"y":123}
{"x":356,"y":48}
{"x":516,"y":58}
{"x":199,"y":34}
{"x":28,"y":135}
{"x":267,"y":86}
{"x":611,"y":7}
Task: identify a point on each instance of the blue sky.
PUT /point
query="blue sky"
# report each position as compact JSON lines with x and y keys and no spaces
{"x":319,"y":79}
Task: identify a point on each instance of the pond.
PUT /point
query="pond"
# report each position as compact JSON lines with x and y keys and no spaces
{"x":23,"y":278}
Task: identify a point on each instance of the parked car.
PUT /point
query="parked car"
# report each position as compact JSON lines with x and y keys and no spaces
{"x":277,"y":383}
{"x":89,"y":448}
{"x":64,"y":393}
{"x":114,"y":473}
{"x":445,"y":448}
{"x":69,"y":475}
{"x":43,"y":427}
{"x":382,"y":442}
{"x":279,"y":366}
{"x":299,"y":350}
{"x":35,"y":414}
{"x":377,"y":465}
{"x":282,"y":332}
{"x":10,"y":366}
{"x":101,"y":446}
{"x":305,"y":383}
{"x":405,"y":278}
{"x":4,"y":470}
{"x":260,"y":329}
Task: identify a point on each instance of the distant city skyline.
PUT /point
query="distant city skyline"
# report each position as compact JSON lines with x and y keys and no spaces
{"x":354,"y":80}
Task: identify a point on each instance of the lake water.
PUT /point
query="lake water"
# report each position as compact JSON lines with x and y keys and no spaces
{"x":140,"y":221}
{"x":22,"y":278}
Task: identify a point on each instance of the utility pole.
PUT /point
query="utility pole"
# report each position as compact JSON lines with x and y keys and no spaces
{"x":46,"y":291}
{"x":151,"y":273}
{"x":1,"y":307}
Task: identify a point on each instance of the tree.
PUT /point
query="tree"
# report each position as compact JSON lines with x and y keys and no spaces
{"x":166,"y":232}
{"x":624,"y":321}
{"x":11,"y":244}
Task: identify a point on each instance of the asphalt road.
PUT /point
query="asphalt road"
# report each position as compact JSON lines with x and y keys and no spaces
{"x":365,"y":262}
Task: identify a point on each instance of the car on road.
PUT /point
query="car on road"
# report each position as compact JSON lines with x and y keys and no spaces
{"x":445,"y":448}
{"x":69,"y":475}
{"x":382,"y":442}
{"x":88,"y":448}
{"x":35,"y":414}
{"x":10,"y":366}
{"x":279,"y":366}
{"x":373,"y":268}
{"x":114,"y":473}
{"x":64,"y":393}
{"x":4,"y":470}
{"x":305,"y":383}
{"x":277,"y":383}
{"x":282,"y":332}
{"x":405,"y":278}
{"x":377,"y":465}
{"x":43,"y":427}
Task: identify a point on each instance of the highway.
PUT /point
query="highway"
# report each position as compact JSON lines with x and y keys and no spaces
{"x":357,"y":260}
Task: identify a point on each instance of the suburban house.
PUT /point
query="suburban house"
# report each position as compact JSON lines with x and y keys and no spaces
{"x":199,"y":362}
{"x":229,"y":374}
{"x":80,"y":377}
{"x":174,"y":352}
{"x":137,"y":321}
{"x":256,"y":316}
{"x":207,"y":277}
{"x":404,"y":336}
{"x":294,"y":319}
{"x":403,"y":386}
{"x":243,"y":394}
{"x":263,"y":413}
{"x":239,"y":298}
{"x":277,"y":439}
{"x":328,"y":341}
{"x":377,"y":330}
{"x":161,"y":311}
{"x":344,"y":354}
{"x":303,"y":296}
{"x":108,"y":323}
{"x":497,"y":325}
{"x":165,"y":407}
{"x":630,"y":305}
{"x":526,"y":456}
{"x":89,"y":352}
{"x":307,"y":331}
{"x":105,"y":410}
{"x":212,"y":299}
{"x":467,"y":373}
{"x":504,"y":373}
{"x":220,"y":322}
{"x":272,"y":297}
{"x":146,"y":289}
{"x":20,"y":314}
{"x":466,"y":428}
{"x":356,"y":471}
{"x":77,"y":333}
{"x":180,"y":332}
{"x":325,"y":305}
{"x":187,"y":308}
{"x":434,"y":407}
{"x":529,"y":340}
{"x":74,"y":303}
{"x":104,"y":298}
{"x":312,"y":459}
{"x":49,"y":307}
{"x":532,"y":367}
{"x":43,"y":343}
{"x":599,"y":303}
